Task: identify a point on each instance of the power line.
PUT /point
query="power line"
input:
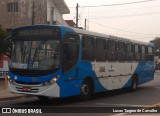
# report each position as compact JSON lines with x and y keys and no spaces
{"x":132,"y":15}
{"x":126,"y":9}
{"x":121,"y":9}
{"x":121,"y":29}
{"x":118,"y":4}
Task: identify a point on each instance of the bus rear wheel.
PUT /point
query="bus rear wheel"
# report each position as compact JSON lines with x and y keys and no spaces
{"x":86,"y":90}
{"x":134,"y":83}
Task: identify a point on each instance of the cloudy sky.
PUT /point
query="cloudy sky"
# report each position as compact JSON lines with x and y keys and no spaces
{"x":133,"y":19}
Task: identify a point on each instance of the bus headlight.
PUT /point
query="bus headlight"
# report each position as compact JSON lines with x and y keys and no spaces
{"x":52,"y":81}
{"x":8,"y":77}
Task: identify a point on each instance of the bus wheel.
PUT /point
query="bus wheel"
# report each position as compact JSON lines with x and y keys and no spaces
{"x":134,"y":83}
{"x":85,"y":91}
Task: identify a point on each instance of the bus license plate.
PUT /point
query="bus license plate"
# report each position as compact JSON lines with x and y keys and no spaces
{"x":26,"y":89}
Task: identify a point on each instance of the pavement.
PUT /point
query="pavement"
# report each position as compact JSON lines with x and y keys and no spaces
{"x":4,"y":95}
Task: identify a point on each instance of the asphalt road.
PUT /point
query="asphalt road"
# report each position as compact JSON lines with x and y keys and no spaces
{"x":146,"y":95}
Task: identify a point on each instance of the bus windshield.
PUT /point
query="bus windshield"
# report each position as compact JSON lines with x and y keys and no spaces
{"x":35,"y":55}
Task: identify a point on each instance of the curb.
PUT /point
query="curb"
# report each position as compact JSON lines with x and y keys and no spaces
{"x":15,"y":97}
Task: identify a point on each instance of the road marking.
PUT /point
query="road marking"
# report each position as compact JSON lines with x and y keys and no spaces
{"x":120,"y":114}
{"x":122,"y":105}
{"x":127,"y":114}
{"x":154,"y":105}
{"x":20,"y":99}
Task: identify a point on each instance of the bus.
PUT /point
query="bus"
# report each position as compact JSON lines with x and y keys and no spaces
{"x":51,"y":61}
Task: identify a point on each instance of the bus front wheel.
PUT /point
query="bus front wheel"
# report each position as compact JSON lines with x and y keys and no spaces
{"x":86,"y":91}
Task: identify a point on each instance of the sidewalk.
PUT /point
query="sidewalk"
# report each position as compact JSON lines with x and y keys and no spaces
{"x":4,"y":95}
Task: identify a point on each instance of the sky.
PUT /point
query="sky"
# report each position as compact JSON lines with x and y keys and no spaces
{"x":132,"y":19}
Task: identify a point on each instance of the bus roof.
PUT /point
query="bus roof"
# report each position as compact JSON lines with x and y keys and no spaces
{"x":82,"y":31}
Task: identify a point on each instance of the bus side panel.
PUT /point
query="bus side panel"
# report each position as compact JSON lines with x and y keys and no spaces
{"x":69,"y":83}
{"x":145,"y":73}
{"x":71,"y":87}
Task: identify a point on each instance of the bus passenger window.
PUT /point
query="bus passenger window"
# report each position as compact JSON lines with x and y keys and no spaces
{"x":143,"y":53}
{"x":112,"y":50}
{"x":129,"y":52}
{"x":121,"y":51}
{"x":137,"y":52}
{"x":150,"y":56}
{"x":100,"y":52}
{"x":88,"y":53}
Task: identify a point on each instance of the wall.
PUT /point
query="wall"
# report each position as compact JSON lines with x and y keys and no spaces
{"x":54,"y":14}
{"x":12,"y":20}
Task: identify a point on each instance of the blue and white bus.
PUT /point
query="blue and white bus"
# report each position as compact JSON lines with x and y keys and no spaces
{"x":56,"y":61}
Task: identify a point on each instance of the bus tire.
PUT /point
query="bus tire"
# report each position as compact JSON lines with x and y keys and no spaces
{"x":86,"y":90}
{"x":134,"y":83}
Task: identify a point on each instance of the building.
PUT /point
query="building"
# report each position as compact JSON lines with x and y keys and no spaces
{"x":4,"y":61}
{"x":16,"y":13}
{"x":70,"y":23}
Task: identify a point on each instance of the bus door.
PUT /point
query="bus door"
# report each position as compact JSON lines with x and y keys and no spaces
{"x":70,"y":56}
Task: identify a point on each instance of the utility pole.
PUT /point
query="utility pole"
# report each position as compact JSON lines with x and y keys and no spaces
{"x":51,"y":15}
{"x":77,"y":15}
{"x":33,"y":13}
{"x":85,"y":24}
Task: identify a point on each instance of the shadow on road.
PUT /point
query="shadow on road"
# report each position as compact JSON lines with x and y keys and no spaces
{"x":60,"y":102}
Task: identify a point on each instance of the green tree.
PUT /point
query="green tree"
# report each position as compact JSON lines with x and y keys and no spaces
{"x":156,"y":42}
{"x":3,"y":35}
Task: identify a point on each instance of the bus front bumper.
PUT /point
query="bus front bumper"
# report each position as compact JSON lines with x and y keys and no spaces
{"x":37,"y":90}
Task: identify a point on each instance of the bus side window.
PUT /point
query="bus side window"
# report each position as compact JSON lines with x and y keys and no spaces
{"x":143,"y":53}
{"x":129,"y":52}
{"x":88,"y":53}
{"x":137,"y":51}
{"x":121,"y":51}
{"x":150,"y":56}
{"x":70,"y":52}
{"x":100,"y":51}
{"x":112,"y":50}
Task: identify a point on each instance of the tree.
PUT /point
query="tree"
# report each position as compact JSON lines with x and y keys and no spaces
{"x":156,"y":42}
{"x":3,"y":35}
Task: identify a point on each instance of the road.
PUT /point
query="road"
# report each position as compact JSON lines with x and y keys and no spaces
{"x":146,"y":95}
